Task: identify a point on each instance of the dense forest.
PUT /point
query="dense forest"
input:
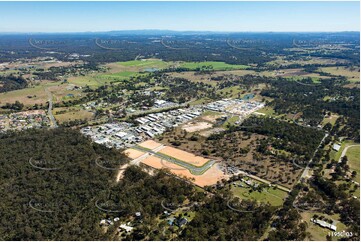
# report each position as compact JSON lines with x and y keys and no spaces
{"x":232,"y":48}
{"x":49,"y":183}
{"x":11,"y":82}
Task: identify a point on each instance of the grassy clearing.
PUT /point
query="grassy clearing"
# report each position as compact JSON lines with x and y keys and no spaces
{"x":83,"y":81}
{"x":71,"y":114}
{"x":270,"y":195}
{"x":269,"y":111}
{"x":150,"y":63}
{"x":352,"y":75}
{"x":37,"y":93}
{"x":119,"y":76}
{"x":332,"y":120}
{"x":336,"y":155}
{"x":200,"y":101}
{"x":353,"y":156}
{"x":218,"y":66}
{"x":318,"y":233}
{"x":231,"y":92}
{"x":230,"y":121}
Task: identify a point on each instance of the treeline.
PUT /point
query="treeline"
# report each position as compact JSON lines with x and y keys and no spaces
{"x":11,"y":82}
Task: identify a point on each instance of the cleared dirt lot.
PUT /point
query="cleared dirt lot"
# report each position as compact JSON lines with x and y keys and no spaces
{"x":210,"y":177}
{"x":150,"y":144}
{"x":196,"y":126}
{"x":133,"y":154}
{"x":184,"y":156}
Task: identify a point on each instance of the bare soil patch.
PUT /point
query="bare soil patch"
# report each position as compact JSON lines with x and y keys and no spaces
{"x":196,"y":126}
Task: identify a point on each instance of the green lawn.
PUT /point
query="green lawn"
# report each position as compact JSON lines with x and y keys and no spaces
{"x":351,"y":75}
{"x":269,"y":111}
{"x":353,"y":156}
{"x":273,"y":196}
{"x":318,"y":233}
{"x":90,"y":81}
{"x":336,"y":155}
{"x":217,"y":66}
{"x":146,"y":63}
{"x":332,"y":120}
{"x":231,"y":121}
{"x":118,"y":75}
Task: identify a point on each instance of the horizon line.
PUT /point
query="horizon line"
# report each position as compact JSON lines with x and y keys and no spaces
{"x":169,"y":30}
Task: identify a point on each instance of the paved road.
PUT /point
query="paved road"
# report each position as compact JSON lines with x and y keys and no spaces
{"x":50,"y":109}
{"x":305,"y":171}
{"x":344,"y":152}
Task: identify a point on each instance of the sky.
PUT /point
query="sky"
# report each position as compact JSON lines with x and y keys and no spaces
{"x":197,"y":16}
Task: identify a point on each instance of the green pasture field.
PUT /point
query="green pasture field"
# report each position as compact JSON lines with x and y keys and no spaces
{"x":217,"y":66}
{"x":271,"y":195}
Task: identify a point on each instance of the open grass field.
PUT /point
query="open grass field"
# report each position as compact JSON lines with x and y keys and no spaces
{"x":353,"y":156}
{"x":38,"y":96}
{"x":268,"y":111}
{"x":336,"y":155}
{"x":352,"y":75}
{"x":331,"y":119}
{"x":145,"y":65}
{"x":231,"y":121}
{"x":318,"y":233}
{"x":118,"y":76}
{"x":71,"y":114}
{"x":83,"y":81}
{"x":31,"y":95}
{"x":231,"y":92}
{"x":218,"y":66}
{"x":149,"y":63}
{"x":271,"y":195}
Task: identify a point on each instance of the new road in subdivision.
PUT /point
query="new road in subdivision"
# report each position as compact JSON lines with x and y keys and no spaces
{"x":193,"y":169}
